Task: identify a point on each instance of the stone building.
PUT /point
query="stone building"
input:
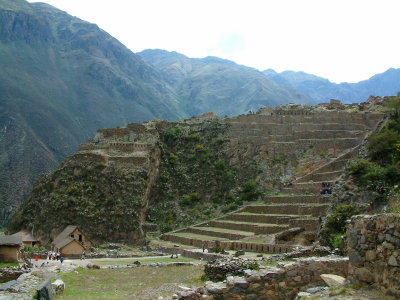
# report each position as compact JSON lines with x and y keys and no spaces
{"x":27,"y":238}
{"x":72,"y":241}
{"x":11,"y":248}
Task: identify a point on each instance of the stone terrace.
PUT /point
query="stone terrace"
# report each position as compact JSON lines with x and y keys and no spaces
{"x":300,"y":204}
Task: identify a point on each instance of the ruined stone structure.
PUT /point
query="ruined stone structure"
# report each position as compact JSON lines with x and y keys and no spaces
{"x":373,"y":247}
{"x":290,"y":137}
{"x":281,"y":283}
{"x":291,"y":148}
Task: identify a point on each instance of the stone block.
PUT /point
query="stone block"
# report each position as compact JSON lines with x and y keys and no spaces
{"x":393,"y":261}
{"x":333,"y":280}
{"x":58,"y":286}
{"x":364,"y":275}
{"x":44,"y":291}
{"x":370,"y":255}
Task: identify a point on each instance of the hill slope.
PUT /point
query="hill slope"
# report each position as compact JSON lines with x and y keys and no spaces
{"x":61,"y":79}
{"x":175,"y":174}
{"x":322,"y":90}
{"x":218,"y":85}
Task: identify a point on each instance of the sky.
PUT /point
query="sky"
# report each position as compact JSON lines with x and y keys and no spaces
{"x":341,"y":40}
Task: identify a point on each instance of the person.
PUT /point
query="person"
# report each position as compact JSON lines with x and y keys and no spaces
{"x":61,"y":258}
{"x":83,"y":255}
{"x":36,"y":258}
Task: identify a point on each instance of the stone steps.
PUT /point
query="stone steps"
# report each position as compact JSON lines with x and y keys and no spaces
{"x":281,"y":134}
{"x":323,"y":177}
{"x":306,"y":187}
{"x":219,"y":232}
{"x":256,"y":228}
{"x":336,"y":165}
{"x":262,"y":218}
{"x":292,"y":199}
{"x":288,"y":128}
{"x":294,"y":209}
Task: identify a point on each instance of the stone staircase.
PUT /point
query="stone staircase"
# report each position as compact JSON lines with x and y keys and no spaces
{"x":252,"y":226}
{"x":300,"y":204}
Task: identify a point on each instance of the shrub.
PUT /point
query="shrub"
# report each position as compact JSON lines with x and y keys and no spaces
{"x":384,"y":146}
{"x":335,"y":225}
{"x":172,"y":134}
{"x":230,"y":207}
{"x":200,"y":148}
{"x":250,"y":191}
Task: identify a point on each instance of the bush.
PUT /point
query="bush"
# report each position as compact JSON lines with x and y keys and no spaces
{"x":335,"y":225}
{"x":384,"y":146}
{"x":250,"y":191}
{"x":374,"y":177}
{"x":230,"y":207}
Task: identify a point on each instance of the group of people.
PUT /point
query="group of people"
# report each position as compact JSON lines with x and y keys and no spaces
{"x":326,"y":188}
{"x":55,"y":256}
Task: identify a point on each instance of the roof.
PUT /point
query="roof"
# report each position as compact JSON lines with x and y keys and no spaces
{"x":64,"y":238}
{"x":9,"y":240}
{"x":64,"y":242}
{"x":26,"y":236}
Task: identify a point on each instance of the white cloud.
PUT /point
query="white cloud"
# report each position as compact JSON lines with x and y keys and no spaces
{"x":340,"y":40}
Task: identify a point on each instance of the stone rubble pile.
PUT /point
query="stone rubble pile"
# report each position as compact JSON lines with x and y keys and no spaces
{"x":272,"y":283}
{"x":218,"y":269}
{"x":302,"y":251}
{"x":20,"y":288}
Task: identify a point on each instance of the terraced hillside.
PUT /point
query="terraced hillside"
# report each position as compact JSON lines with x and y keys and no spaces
{"x":175,"y":174}
{"x":294,"y":215}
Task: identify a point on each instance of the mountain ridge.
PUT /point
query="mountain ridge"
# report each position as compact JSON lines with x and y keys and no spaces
{"x":321,"y":89}
{"x":195,"y":79}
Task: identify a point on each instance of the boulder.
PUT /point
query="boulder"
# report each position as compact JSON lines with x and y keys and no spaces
{"x":58,"y":286}
{"x":333,"y":280}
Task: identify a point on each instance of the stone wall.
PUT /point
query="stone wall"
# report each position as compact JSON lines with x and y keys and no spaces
{"x":373,"y":247}
{"x":282,"y":282}
{"x":229,"y":245}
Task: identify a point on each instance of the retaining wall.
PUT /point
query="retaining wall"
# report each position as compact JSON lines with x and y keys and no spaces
{"x":230,"y":245}
{"x":373,"y":247}
{"x":280,"y":283}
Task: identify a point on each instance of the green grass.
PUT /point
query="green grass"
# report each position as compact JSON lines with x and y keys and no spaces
{"x":199,"y":236}
{"x":130,"y":283}
{"x":11,"y":264}
{"x":125,"y":261}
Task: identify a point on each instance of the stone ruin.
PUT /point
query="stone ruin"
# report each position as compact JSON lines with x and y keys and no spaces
{"x":373,"y":248}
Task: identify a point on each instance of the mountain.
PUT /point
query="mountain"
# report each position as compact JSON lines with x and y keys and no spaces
{"x":61,"y":79}
{"x":322,"y":90}
{"x":218,"y":85}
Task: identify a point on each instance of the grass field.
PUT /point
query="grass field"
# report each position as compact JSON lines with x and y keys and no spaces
{"x":143,"y":283}
{"x":125,"y":261}
{"x":12,"y":264}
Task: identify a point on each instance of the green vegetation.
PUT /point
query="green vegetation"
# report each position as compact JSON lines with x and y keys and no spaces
{"x":196,"y":182}
{"x":34,"y":249}
{"x":100,"y":198}
{"x":250,"y":191}
{"x":147,"y":260}
{"x":335,"y":225}
{"x":129,"y":283}
{"x":382,"y":172}
{"x":11,"y":264}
